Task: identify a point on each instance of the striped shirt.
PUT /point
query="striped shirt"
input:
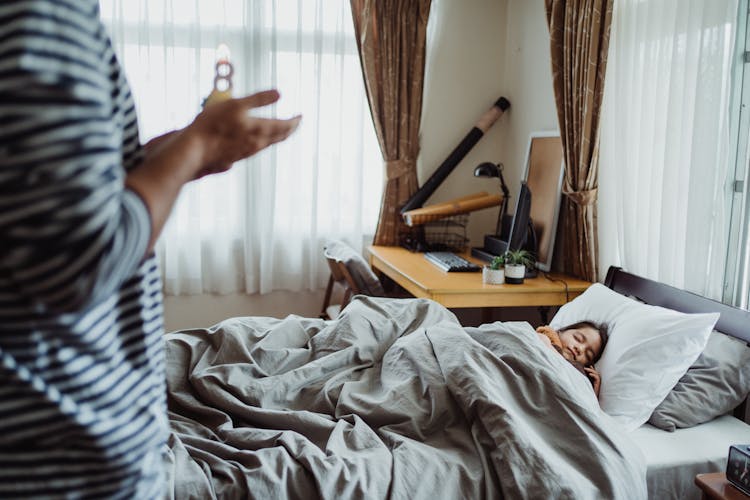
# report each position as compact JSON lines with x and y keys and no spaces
{"x":82,"y":384}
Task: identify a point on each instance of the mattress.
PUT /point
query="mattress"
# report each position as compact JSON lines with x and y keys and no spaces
{"x":674,"y":458}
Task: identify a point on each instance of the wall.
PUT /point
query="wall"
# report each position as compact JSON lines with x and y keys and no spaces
{"x":464,"y":76}
{"x":482,"y":50}
{"x":478,"y":51}
{"x":205,"y":310}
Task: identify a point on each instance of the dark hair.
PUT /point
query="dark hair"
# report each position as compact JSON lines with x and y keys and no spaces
{"x":601,"y":328}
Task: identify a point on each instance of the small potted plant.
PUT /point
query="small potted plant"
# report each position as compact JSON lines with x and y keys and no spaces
{"x":516,"y":262}
{"x":494,"y":274}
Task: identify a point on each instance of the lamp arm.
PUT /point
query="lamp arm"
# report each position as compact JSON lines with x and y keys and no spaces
{"x":504,"y":204}
{"x":503,"y":186}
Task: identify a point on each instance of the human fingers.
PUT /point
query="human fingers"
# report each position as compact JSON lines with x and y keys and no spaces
{"x":232,"y":115}
{"x":258,"y":134}
{"x":284,"y":126}
{"x":259,"y":99}
{"x":289,"y":126}
{"x":267,"y":131}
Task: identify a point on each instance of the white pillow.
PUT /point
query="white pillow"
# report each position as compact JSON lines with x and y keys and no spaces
{"x":649,"y":349}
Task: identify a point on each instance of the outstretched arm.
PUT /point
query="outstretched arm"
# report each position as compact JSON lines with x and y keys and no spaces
{"x":218,"y":137}
{"x":71,"y":233}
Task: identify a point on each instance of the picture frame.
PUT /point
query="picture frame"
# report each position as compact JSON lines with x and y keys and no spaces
{"x":544,"y":170}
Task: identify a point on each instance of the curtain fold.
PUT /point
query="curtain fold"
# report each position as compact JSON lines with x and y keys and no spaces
{"x":665,"y":176}
{"x":261,"y":226}
{"x":579,"y":41}
{"x":391,"y":39}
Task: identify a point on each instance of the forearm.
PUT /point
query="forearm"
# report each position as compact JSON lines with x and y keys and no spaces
{"x":159,"y":179}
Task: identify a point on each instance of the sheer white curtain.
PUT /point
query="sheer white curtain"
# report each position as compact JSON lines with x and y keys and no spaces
{"x":664,"y":178}
{"x":261,"y":226}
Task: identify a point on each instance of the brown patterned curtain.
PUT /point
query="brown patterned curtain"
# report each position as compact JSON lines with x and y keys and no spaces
{"x":391,"y":38}
{"x":579,"y":40}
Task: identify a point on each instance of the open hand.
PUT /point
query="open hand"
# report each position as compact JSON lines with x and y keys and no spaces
{"x":227,"y":131}
{"x":219,"y":136}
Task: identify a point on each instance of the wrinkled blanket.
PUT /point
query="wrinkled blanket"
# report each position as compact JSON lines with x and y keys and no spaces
{"x":392,"y":400}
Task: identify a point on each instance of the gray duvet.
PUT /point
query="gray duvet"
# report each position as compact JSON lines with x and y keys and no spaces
{"x":393,"y":400}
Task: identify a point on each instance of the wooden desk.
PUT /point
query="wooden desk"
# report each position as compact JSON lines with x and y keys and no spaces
{"x":423,"y":279}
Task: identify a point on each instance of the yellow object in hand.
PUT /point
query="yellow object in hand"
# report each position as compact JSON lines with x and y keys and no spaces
{"x":217,"y":96}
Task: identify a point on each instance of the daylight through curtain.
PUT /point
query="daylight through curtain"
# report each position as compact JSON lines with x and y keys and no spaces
{"x":665,"y":186}
{"x":261,"y":226}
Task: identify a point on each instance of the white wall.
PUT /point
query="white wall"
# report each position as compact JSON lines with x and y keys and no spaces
{"x":481,"y":50}
{"x":464,"y":76}
{"x":529,"y":82}
{"x":205,"y":310}
{"x":478,"y":51}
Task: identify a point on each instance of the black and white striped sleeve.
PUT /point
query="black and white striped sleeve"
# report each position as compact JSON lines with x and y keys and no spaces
{"x":71,"y":233}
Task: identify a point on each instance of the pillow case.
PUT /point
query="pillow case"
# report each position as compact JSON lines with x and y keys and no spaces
{"x":649,"y":349}
{"x":715,"y":384}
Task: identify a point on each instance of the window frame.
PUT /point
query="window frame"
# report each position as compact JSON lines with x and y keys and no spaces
{"x":737,"y":271}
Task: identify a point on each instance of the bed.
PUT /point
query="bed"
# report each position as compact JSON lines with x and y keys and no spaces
{"x":395,"y":399}
{"x":674,"y":458}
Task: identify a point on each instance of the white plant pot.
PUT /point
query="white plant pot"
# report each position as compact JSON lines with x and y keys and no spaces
{"x":514,"y":273}
{"x":493,"y":276}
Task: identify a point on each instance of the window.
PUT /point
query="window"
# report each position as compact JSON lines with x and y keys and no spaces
{"x":737,"y":278}
{"x":261,"y":226}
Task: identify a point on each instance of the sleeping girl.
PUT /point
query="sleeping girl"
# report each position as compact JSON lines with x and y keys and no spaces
{"x":581,"y":344}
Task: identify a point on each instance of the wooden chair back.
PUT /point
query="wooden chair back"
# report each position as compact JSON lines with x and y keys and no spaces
{"x":341,"y":280}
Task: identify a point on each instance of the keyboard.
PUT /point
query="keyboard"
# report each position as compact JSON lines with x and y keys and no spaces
{"x":450,"y":262}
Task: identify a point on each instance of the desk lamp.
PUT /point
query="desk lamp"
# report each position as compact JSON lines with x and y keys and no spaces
{"x":488,"y":169}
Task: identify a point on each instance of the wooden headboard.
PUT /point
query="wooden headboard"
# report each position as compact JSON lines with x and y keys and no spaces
{"x":733,"y":321}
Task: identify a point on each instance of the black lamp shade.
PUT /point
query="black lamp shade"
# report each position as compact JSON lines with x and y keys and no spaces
{"x":487,"y":169}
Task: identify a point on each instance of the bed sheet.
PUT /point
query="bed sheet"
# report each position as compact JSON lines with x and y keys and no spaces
{"x":674,"y":458}
{"x":394,"y":399}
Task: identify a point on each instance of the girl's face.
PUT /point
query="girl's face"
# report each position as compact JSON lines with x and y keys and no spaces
{"x":581,"y":344}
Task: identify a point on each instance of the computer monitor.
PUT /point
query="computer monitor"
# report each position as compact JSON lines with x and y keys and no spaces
{"x":519,"y":230}
{"x":543,"y":176}
{"x":516,"y":233}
